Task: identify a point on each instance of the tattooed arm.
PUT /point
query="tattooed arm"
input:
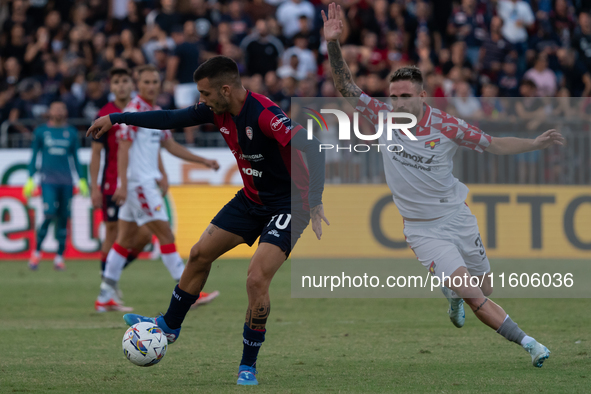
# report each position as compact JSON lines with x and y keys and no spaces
{"x":333,"y":28}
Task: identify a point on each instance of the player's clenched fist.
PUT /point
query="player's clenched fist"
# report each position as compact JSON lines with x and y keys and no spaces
{"x":213,"y":164}
{"x":99,"y":127}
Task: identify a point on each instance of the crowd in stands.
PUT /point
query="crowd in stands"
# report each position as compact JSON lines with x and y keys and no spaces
{"x":63,"y":49}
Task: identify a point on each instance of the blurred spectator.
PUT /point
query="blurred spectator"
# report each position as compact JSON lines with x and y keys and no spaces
{"x":72,"y":102}
{"x":468,"y":25}
{"x":36,"y":51}
{"x":168,"y":17}
{"x":154,"y":38}
{"x":289,"y":12}
{"x":562,"y":21}
{"x":517,"y":16}
{"x":28,"y":105}
{"x":374,"y":59}
{"x":274,"y":90}
{"x":508,"y":81}
{"x":259,"y":9}
{"x":18,"y":16}
{"x":16,"y":46}
{"x":133,"y":19}
{"x":96,"y":98}
{"x":582,"y":39}
{"x":464,"y":103}
{"x":262,"y":51}
{"x":130,"y":52}
{"x":51,"y":81}
{"x":494,"y":49}
{"x":574,"y":75}
{"x":239,"y":22}
{"x":12,"y":71}
{"x":183,"y":63}
{"x":542,"y":76}
{"x":307,"y":88}
{"x":492,"y":106}
{"x":306,"y":62}
{"x":6,"y":95}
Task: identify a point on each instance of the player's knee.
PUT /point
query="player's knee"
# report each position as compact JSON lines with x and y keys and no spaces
{"x":198,"y":258}
{"x":256,"y":283}
{"x":486,"y":290}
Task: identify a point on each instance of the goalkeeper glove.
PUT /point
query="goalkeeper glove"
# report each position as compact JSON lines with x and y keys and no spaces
{"x":83,"y":187}
{"x":28,"y":188}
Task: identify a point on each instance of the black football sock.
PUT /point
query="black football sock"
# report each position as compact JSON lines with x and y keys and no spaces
{"x":180,"y":303}
{"x":130,"y":258}
{"x":253,"y":339}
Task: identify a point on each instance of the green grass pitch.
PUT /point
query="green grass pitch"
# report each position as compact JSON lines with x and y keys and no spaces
{"x":52,"y":341}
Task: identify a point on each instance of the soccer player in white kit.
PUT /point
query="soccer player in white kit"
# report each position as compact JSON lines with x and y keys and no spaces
{"x":138,"y":192}
{"x":438,"y":225}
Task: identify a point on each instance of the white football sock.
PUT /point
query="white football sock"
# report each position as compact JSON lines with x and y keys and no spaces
{"x":174,"y":263}
{"x":115,"y":262}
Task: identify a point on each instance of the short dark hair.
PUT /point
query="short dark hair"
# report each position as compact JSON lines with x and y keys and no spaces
{"x":222,"y":69}
{"x":410,"y":73}
{"x":119,"y":71}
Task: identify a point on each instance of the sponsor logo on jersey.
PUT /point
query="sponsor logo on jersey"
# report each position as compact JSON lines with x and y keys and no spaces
{"x":433,"y":143}
{"x":250,"y":171}
{"x":278,"y":121}
{"x":249,"y":132}
{"x":224,"y":130}
{"x":415,"y":158}
{"x":255,"y":157}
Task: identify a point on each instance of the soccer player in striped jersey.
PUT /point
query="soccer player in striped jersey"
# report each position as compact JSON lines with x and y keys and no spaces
{"x":438,"y":225}
{"x":278,"y":199}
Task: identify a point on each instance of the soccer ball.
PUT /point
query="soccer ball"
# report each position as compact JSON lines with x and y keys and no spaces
{"x":144,"y":344}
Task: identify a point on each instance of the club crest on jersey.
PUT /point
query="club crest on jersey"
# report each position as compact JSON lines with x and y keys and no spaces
{"x":158,"y":208}
{"x":432,"y":268}
{"x":249,"y":132}
{"x":433,"y":143}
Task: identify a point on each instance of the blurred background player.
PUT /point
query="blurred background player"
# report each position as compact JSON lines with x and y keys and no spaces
{"x":121,"y":86}
{"x":138,"y":193}
{"x":58,"y":142}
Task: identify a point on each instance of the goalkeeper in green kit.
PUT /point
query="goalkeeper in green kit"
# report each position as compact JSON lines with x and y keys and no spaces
{"x":58,"y":142}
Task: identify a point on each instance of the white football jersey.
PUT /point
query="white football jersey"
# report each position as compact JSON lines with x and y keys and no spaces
{"x":420,"y":177}
{"x":143,"y":154}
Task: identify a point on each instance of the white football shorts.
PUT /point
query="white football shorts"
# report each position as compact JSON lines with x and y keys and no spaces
{"x":144,"y":204}
{"x":448,"y":243}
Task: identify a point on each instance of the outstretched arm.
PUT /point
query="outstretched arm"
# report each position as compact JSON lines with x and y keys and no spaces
{"x":333,"y":28}
{"x":176,"y":149}
{"x":170,"y":119}
{"x":513,"y":145}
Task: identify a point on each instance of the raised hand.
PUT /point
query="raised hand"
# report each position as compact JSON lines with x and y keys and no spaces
{"x":333,"y":25}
